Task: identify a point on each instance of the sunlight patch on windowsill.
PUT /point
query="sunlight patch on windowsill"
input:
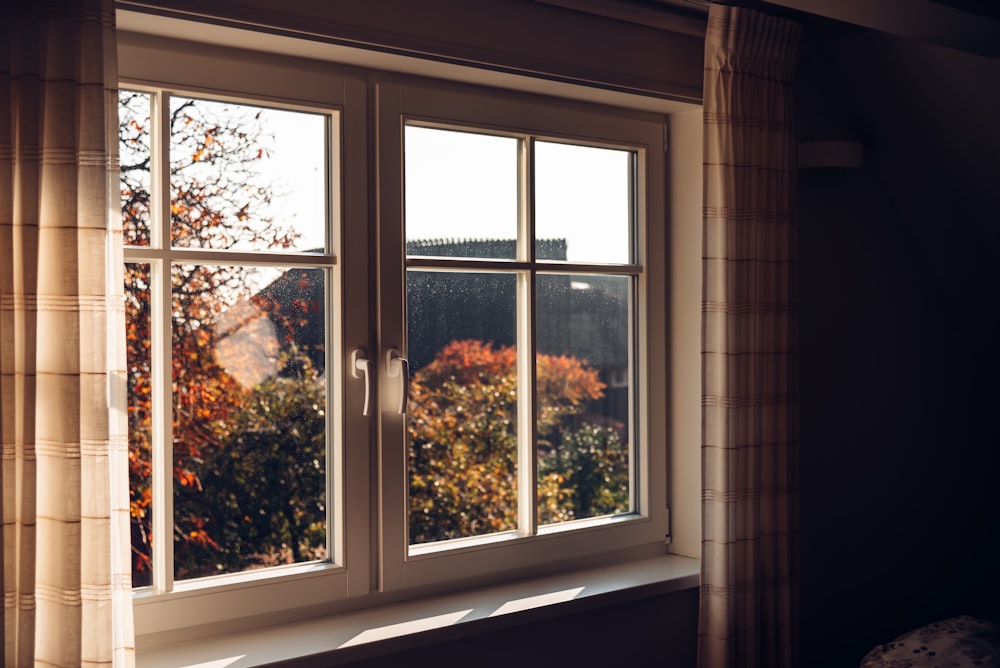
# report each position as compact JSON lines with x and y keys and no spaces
{"x":394,"y":627}
{"x":529,"y":602}
{"x":405,"y":628}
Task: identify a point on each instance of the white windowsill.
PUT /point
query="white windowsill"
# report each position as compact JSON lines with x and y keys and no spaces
{"x":370,"y":632}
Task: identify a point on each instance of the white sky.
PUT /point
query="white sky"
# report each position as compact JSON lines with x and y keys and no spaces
{"x":296,"y":169}
{"x":464,"y":186}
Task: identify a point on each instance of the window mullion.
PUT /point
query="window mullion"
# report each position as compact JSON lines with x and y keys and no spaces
{"x":637,"y":253}
{"x":526,"y":200}
{"x":527,"y":442}
{"x":162,"y":363}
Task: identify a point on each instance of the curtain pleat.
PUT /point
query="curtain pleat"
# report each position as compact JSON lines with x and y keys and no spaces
{"x":64,"y":459}
{"x":748,"y":610}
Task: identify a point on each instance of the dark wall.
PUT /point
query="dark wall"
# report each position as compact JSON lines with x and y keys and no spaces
{"x":898,"y":266}
{"x":657,"y":631}
{"x":523,"y":36}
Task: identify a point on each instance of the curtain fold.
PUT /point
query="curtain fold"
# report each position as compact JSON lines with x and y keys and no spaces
{"x":64,"y":458}
{"x":748,"y":610}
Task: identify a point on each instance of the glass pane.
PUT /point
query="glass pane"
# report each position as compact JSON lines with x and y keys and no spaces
{"x":133,"y":157}
{"x":246,"y":178}
{"x":583,"y":387}
{"x":461,"y":194}
{"x":138,"y":360}
{"x":249,"y":418}
{"x":462,"y":418}
{"x":582,"y":203}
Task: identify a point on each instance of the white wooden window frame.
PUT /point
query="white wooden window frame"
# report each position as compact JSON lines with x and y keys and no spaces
{"x":162,"y":70}
{"x":376,"y":563}
{"x":530,"y":549}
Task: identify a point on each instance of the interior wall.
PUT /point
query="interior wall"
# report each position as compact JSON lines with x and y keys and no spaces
{"x":519,"y":36}
{"x":684,"y":324}
{"x":660,"y":630}
{"x":898,"y":267}
{"x":527,"y":37}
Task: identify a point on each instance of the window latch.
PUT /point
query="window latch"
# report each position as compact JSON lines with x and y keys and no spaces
{"x":361,"y":366}
{"x":397,"y":365}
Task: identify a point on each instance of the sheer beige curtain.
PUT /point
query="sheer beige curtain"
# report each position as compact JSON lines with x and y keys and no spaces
{"x":64,"y":466}
{"x":749,"y":347}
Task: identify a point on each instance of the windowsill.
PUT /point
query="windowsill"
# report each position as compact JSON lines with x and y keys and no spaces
{"x":371,"y":632}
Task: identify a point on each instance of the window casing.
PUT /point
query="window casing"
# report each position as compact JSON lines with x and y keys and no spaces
{"x":367,"y":461}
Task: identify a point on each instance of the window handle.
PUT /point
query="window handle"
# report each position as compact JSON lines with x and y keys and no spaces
{"x":397,"y":365}
{"x":362,"y":366}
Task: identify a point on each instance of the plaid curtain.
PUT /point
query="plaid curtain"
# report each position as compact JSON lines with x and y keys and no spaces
{"x":749,"y":348}
{"x":64,"y":476}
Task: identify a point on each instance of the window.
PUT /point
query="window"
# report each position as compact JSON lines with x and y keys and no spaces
{"x":327,"y":404}
{"x":500,"y":439}
{"x":514,"y":234}
{"x":235,"y":259}
{"x":227,"y":333}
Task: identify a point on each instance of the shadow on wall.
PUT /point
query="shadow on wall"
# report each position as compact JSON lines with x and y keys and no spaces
{"x":898,"y":268}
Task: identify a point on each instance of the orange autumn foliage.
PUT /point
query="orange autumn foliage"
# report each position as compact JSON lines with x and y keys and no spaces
{"x":462,"y":429}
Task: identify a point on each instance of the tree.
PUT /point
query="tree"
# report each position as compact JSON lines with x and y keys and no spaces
{"x":218,"y":200}
{"x":463,"y":444}
{"x":263,"y":496}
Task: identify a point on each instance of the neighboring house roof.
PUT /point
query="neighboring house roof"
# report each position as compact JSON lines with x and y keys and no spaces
{"x":582,"y":316}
